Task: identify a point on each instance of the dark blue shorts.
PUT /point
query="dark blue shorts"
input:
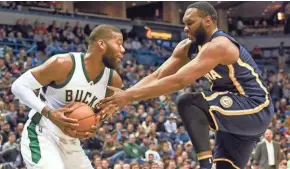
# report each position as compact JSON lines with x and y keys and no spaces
{"x":239,"y":121}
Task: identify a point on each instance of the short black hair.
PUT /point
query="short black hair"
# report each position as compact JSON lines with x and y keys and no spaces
{"x":206,"y":8}
{"x":102,"y":32}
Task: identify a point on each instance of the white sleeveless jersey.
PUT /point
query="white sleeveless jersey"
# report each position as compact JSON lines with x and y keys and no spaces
{"x":77,"y":88}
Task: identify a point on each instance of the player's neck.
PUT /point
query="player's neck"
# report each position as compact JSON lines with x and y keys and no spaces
{"x":210,"y":33}
{"x":214,"y":31}
{"x":92,"y":61}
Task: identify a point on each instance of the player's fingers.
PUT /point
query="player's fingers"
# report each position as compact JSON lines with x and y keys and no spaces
{"x":113,"y":88}
{"x":72,"y":126}
{"x":108,"y":105}
{"x":97,"y":119}
{"x":90,"y":134}
{"x":70,"y":105}
{"x":64,"y":109}
{"x":107,"y":111}
{"x":101,"y":106}
{"x":80,"y":134}
{"x":68,"y":110}
{"x":106,"y":100}
{"x":69,"y":120}
{"x":93,"y":128}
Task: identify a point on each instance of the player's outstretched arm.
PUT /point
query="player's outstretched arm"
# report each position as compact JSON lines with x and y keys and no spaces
{"x":178,"y":59}
{"x":54,"y":69}
{"x":218,"y":51}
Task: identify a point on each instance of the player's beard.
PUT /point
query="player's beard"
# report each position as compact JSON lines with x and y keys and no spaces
{"x":200,"y":35}
{"x":108,"y":59}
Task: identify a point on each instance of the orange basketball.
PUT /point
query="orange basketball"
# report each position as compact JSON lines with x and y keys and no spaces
{"x":84,"y":114}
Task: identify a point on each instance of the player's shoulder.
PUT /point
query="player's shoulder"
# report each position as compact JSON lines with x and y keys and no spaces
{"x":61,"y":60}
{"x":221,"y":43}
{"x":60,"y":63}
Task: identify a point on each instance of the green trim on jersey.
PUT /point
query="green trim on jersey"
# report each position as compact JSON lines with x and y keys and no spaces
{"x":86,"y":73}
{"x":57,"y":86}
{"x":34,"y":143}
{"x":110,"y":81}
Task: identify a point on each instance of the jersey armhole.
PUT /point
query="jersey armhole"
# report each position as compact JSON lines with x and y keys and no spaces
{"x":57,"y":86}
{"x":229,"y":38}
{"x":109,"y":82}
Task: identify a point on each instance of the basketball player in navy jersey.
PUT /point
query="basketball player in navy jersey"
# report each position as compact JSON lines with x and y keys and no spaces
{"x":238,"y":106}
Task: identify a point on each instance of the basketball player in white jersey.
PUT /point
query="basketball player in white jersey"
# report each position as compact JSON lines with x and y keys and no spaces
{"x":63,"y":79}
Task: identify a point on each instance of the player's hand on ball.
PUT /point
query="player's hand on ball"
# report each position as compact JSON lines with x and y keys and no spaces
{"x":111,"y":105}
{"x":94,"y":129}
{"x":58,"y":117}
{"x":84,"y":134}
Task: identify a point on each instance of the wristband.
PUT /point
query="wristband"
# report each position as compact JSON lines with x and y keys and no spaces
{"x":48,"y":114}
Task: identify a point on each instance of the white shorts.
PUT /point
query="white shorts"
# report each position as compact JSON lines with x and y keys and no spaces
{"x":42,"y":149}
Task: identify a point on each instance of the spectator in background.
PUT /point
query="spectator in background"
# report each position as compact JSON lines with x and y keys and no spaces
{"x":152,"y":151}
{"x":170,"y":125}
{"x":132,"y":150}
{"x":11,"y":142}
{"x":281,"y":57}
{"x":5,"y":130}
{"x":105,"y":164}
{"x":240,"y":27}
{"x":134,"y":165}
{"x":257,"y":52}
{"x":26,"y":29}
{"x":268,"y":152}
{"x":182,"y":136}
{"x":166,"y":150}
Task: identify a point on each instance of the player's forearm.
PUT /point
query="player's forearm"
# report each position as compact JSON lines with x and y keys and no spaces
{"x":23,"y":88}
{"x":163,"y":86}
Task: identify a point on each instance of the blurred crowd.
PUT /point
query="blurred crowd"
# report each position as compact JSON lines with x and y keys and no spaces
{"x":258,"y":26}
{"x":147,"y":134}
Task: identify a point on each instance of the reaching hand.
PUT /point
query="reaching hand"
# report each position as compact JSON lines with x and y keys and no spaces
{"x":111,"y":105}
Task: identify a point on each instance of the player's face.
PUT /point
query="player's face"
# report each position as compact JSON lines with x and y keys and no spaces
{"x":195,"y":25}
{"x":114,"y":51}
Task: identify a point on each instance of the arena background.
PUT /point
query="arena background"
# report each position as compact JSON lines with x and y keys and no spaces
{"x":146,"y":134}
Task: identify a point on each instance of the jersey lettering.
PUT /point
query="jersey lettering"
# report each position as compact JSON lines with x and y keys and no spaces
{"x":212,"y":75}
{"x":81,"y":96}
{"x":68,"y":95}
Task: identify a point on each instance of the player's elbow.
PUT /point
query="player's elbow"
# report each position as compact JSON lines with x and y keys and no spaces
{"x":15,"y":88}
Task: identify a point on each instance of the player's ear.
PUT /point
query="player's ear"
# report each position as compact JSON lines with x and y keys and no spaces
{"x":102,"y":44}
{"x":207,"y":20}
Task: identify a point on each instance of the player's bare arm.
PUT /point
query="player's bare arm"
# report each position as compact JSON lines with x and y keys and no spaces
{"x":54,"y":69}
{"x":178,"y":59}
{"x":218,"y":51}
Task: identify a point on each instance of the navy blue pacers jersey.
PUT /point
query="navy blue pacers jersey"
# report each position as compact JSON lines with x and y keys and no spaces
{"x":239,"y":105}
{"x":242,"y":77}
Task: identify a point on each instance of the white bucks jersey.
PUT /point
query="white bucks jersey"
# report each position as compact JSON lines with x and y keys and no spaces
{"x":77,"y":88}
